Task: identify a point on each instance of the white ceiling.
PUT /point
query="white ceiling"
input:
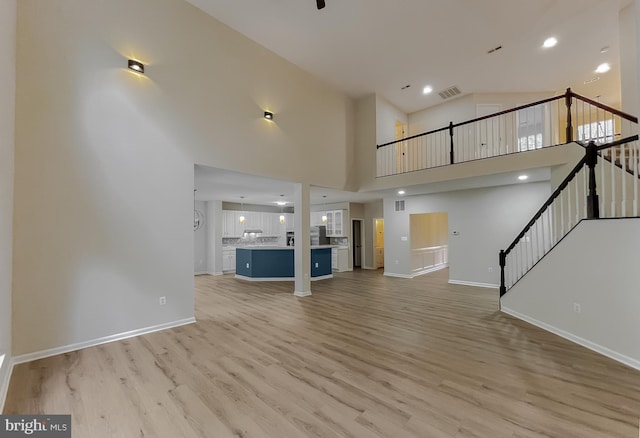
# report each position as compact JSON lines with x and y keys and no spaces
{"x":367,"y":46}
{"x":379,"y":46}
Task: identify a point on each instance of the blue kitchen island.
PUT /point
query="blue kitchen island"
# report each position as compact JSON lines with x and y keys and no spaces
{"x":276,"y":263}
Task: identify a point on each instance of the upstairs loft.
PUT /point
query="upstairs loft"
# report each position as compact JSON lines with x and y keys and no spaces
{"x":509,"y":137}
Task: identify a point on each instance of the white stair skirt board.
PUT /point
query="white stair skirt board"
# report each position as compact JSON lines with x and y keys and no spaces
{"x":472,"y":283}
{"x":429,"y":270}
{"x":4,"y":383}
{"x":633,"y":363}
{"x":391,"y":274}
{"x":104,"y":340}
{"x":302,"y":294}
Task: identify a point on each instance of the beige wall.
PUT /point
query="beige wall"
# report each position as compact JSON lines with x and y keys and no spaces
{"x":428,"y":230}
{"x":104,"y":157}
{"x":365,"y":141}
{"x":629,"y":60}
{"x":7,"y":113}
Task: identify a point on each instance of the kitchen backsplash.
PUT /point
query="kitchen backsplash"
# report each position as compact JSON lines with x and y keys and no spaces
{"x":340,"y":241}
{"x":252,"y":241}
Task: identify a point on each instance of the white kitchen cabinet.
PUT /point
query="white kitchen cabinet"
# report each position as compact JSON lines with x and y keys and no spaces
{"x":230,"y":226}
{"x":340,"y":259}
{"x":335,"y":223}
{"x":229,"y":260}
{"x":290,"y":221}
{"x":316,"y":218}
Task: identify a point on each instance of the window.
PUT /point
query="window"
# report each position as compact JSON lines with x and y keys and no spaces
{"x":600,"y":132}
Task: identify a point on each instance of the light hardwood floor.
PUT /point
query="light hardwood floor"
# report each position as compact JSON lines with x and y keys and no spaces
{"x":365,"y":356}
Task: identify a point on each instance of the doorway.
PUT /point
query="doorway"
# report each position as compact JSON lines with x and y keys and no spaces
{"x":357,"y":234}
{"x":378,"y":261}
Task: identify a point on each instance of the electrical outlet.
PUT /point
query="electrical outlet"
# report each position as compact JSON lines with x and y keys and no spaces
{"x":163,"y":301}
{"x":576,"y":307}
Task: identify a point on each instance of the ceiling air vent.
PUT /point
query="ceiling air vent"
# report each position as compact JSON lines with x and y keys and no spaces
{"x":400,"y":205}
{"x":450,"y":92}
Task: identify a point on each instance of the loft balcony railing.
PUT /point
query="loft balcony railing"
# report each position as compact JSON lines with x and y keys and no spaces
{"x":604,"y":184}
{"x":549,"y":122}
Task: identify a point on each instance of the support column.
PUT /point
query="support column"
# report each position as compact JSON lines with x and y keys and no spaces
{"x":214,"y":237}
{"x":637,"y":14}
{"x":7,"y":149}
{"x":302,"y":249}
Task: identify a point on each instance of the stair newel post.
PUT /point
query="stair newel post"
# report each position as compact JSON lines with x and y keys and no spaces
{"x":593,"y":208}
{"x":451,"y":144}
{"x":503,"y":262}
{"x":568,"y":100}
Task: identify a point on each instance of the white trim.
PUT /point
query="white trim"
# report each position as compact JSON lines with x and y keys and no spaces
{"x":215,"y":274}
{"x":473,"y":283}
{"x":633,"y":363}
{"x":245,"y":278}
{"x":4,"y":383}
{"x":369,"y":267}
{"x":99,"y":341}
{"x":302,"y":294}
{"x":393,"y":274}
{"x":429,"y":270}
{"x":200,"y":273}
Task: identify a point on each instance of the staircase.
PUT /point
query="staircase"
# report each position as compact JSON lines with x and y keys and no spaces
{"x":604,"y":184}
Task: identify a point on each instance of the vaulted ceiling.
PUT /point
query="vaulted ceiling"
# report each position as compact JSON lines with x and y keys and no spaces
{"x":380,"y":46}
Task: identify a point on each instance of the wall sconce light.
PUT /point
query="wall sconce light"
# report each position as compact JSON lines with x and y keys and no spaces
{"x":242,"y":219}
{"x":281,"y":219}
{"x":324,"y":219}
{"x":136,"y":66}
{"x":268,"y":115}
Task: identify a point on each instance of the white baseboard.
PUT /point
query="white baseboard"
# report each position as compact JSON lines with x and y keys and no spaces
{"x":302,"y":294}
{"x":473,"y":283}
{"x":633,"y":363}
{"x":393,"y":274}
{"x":215,"y":274}
{"x":429,"y":270}
{"x":4,"y":383}
{"x":104,"y":340}
{"x":200,"y":273}
{"x":369,"y":267}
{"x":322,"y":277}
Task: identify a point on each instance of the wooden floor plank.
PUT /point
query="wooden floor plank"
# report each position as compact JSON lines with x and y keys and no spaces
{"x":365,"y":356}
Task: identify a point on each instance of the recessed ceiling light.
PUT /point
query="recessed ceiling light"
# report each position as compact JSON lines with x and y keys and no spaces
{"x":427,"y":90}
{"x":401,"y":192}
{"x":550,"y":42}
{"x":523,"y":177}
{"x":605,"y":49}
{"x":281,"y":203}
{"x":603,"y":68}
